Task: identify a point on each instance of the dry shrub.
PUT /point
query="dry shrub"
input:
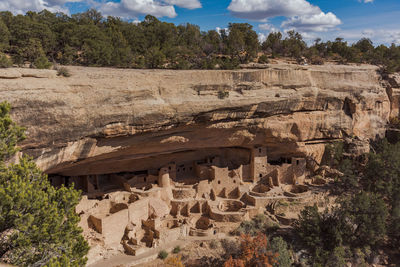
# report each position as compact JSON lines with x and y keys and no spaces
{"x":174,"y":261}
{"x":254,"y":251}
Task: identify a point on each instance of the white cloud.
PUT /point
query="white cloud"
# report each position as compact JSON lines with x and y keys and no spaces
{"x":189,"y":4}
{"x":378,"y":36}
{"x":158,"y":8}
{"x":22,"y":6}
{"x":265,"y":26}
{"x":302,"y":16}
{"x":312,"y":23}
{"x":124,"y":8}
{"x":367,"y":1}
{"x":134,"y":8}
{"x":219,"y":30}
{"x":262,"y":37}
{"x":262,"y":9}
{"x":58,"y":2}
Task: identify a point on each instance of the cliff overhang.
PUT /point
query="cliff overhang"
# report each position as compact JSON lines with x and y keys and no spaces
{"x":111,"y":120}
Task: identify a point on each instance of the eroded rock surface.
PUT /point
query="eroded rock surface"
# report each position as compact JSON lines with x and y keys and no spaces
{"x":393,"y":90}
{"x":162,"y":155}
{"x":109,"y":120}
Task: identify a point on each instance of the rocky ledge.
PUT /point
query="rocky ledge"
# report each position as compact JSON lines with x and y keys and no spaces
{"x":103,"y":120}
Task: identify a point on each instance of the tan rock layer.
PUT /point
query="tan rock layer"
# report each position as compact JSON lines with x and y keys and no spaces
{"x":103,"y":117}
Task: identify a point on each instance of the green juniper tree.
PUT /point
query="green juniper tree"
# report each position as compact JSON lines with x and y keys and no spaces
{"x":4,"y":36}
{"x":38,"y":223}
{"x":89,"y":39}
{"x":284,"y":258}
{"x":367,"y":215}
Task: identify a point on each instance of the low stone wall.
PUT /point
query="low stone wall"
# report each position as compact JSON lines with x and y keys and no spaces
{"x":183,"y":193}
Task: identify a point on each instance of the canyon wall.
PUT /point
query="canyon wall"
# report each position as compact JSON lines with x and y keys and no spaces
{"x":103,"y":120}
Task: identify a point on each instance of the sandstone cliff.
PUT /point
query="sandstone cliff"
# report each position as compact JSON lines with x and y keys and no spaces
{"x":109,"y":120}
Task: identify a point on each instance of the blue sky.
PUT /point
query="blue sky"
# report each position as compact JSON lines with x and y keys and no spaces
{"x":328,"y":19}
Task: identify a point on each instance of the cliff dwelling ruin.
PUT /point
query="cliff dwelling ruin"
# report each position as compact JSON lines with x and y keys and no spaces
{"x":144,"y":209}
{"x":160,"y":157}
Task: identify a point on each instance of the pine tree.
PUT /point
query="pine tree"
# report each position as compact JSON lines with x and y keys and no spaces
{"x":279,"y":246}
{"x":10,"y":133}
{"x":4,"y":36}
{"x":38,"y":223}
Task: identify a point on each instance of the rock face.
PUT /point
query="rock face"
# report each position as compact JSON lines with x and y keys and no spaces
{"x":393,"y":90}
{"x":109,"y":120}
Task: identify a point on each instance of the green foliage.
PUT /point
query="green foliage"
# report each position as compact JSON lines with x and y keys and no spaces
{"x":358,"y":222}
{"x":310,"y":230}
{"x":293,"y":45}
{"x":214,"y":244}
{"x":34,"y":50}
{"x":263,"y":59}
{"x":259,"y":223}
{"x":163,"y":255}
{"x":10,"y":133}
{"x":42,"y":219}
{"x":39,"y":226}
{"x":374,"y":182}
{"x":319,"y":230}
{"x":349,"y":180}
{"x":63,"y":71}
{"x":223,"y":94}
{"x":337,"y":258}
{"x":333,"y":154}
{"x":208,"y":63}
{"x":30,"y":37}
{"x":155,"y":58}
{"x":321,"y":233}
{"x":42,"y":63}
{"x":4,"y":36}
{"x":334,"y":158}
{"x":394,"y":225}
{"x":316,"y":60}
{"x":273,"y":44}
{"x":394,"y":122}
{"x":90,"y":39}
{"x":368,"y":214}
{"x":228,"y":63}
{"x":176,"y":250}
{"x":5,"y":62}
{"x":242,"y":42}
{"x":279,"y":246}
{"x":182,"y":64}
{"x":382,"y":174}
{"x":231,"y":248}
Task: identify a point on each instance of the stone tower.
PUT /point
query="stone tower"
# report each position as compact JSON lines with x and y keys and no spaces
{"x":258,"y":162}
{"x":164,"y":178}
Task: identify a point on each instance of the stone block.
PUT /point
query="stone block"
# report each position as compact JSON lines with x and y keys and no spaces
{"x":9,"y":74}
{"x":138,"y":211}
{"x":158,"y":208}
{"x":112,"y":226}
{"x":134,"y":250}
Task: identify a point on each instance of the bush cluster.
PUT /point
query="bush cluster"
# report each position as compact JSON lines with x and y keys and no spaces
{"x":89,"y":39}
{"x":259,"y":223}
{"x":367,"y":215}
{"x":38,"y":222}
{"x":63,"y":71}
{"x":5,"y":62}
{"x":163,"y":254}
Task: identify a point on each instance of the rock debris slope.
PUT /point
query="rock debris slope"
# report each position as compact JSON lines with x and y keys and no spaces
{"x":110,"y":120}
